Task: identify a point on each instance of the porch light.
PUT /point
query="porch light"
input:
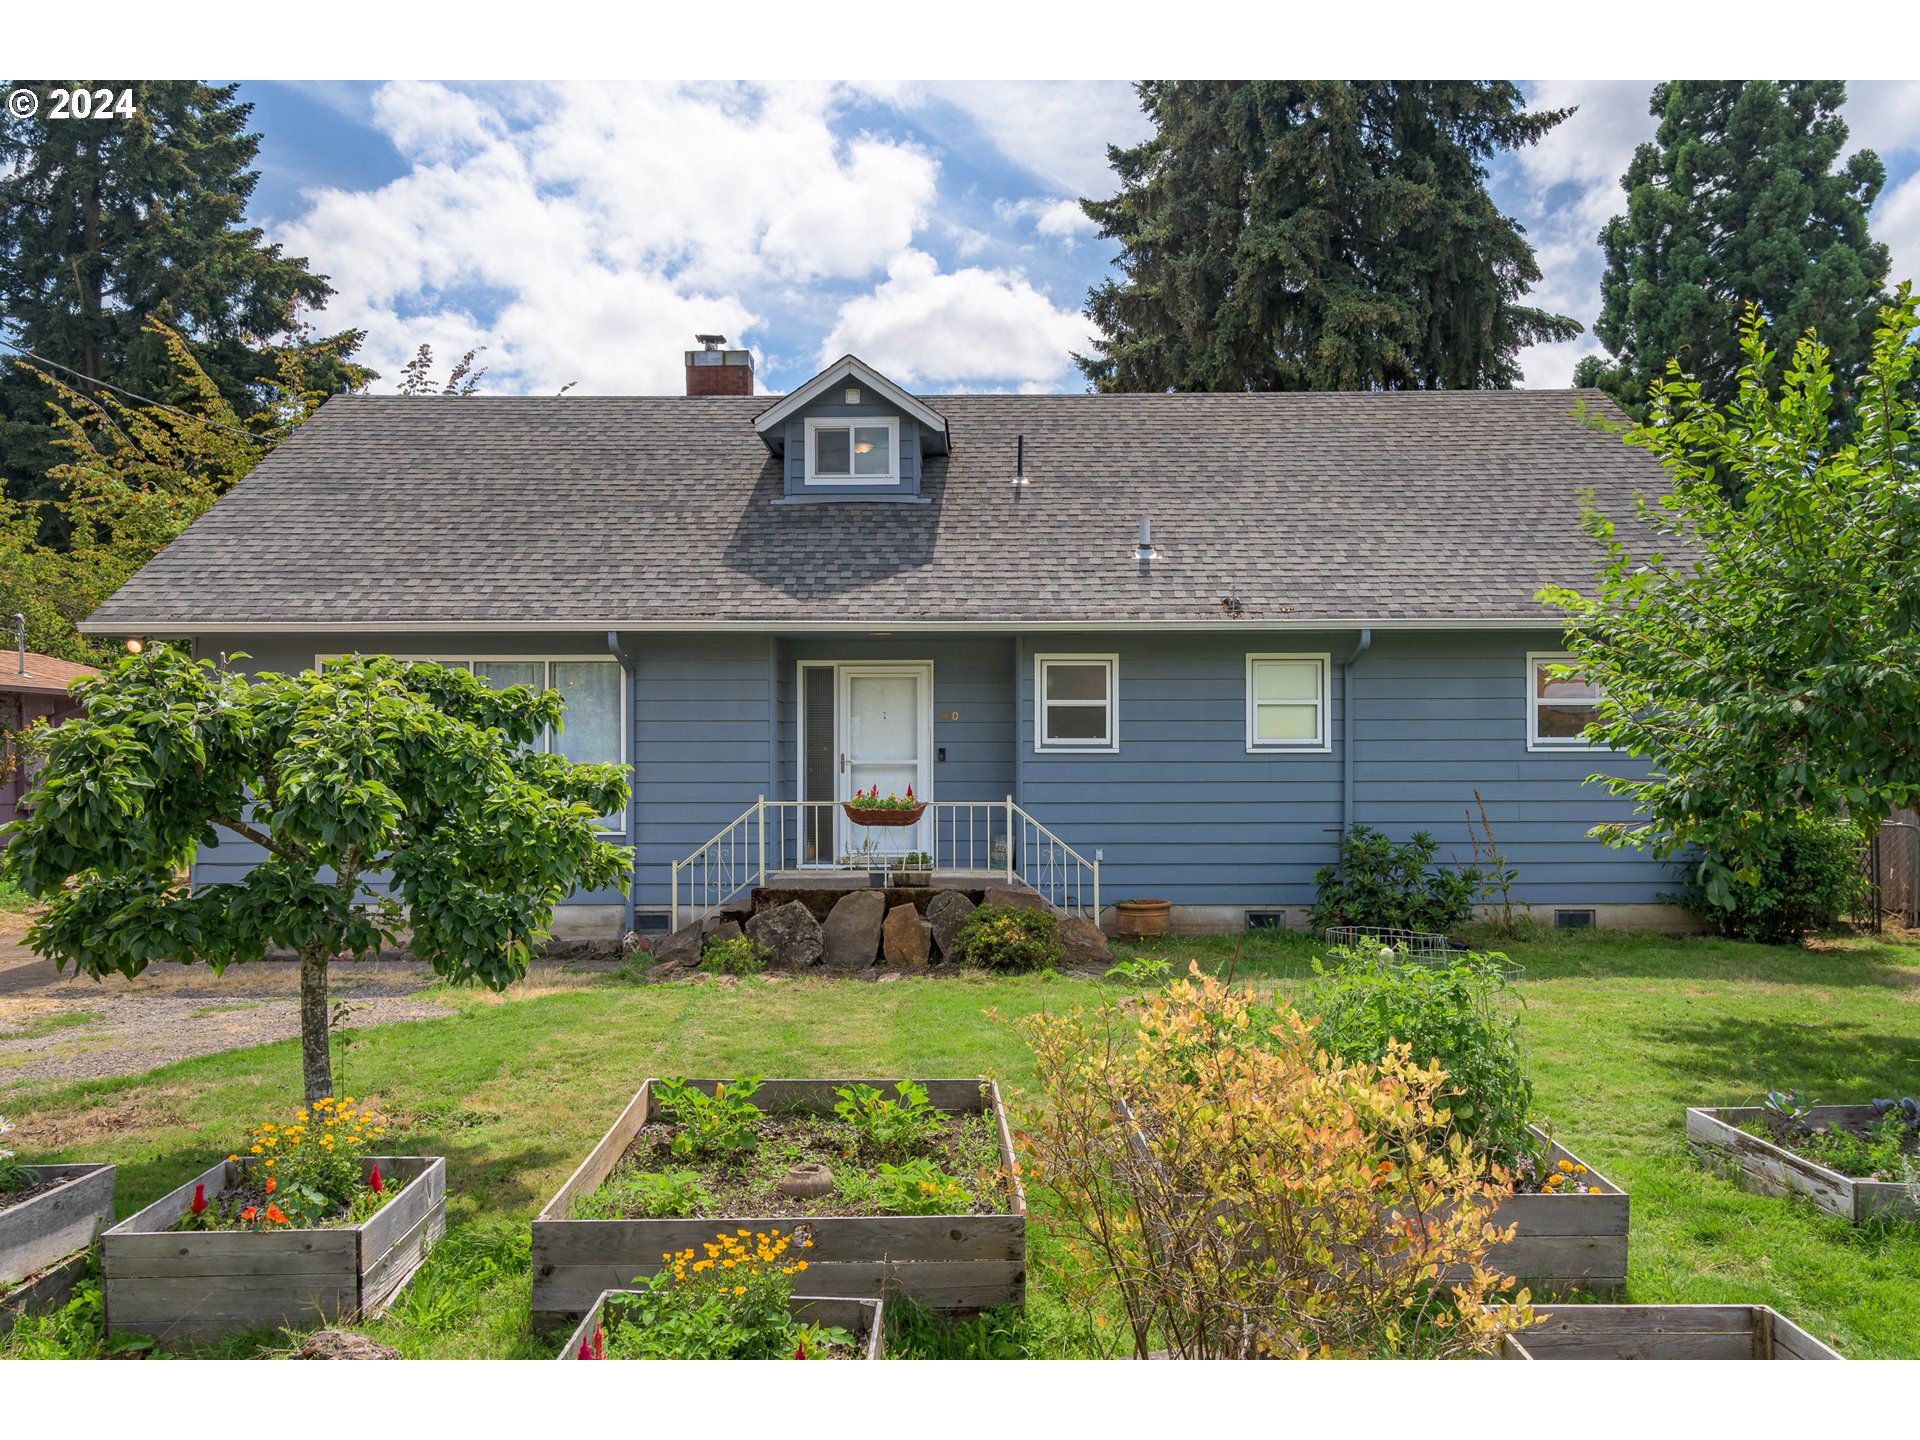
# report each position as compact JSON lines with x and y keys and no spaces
{"x":865,"y":447}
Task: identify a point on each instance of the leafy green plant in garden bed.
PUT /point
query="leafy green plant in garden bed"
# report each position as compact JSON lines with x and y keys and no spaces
{"x":1449,"y":1014}
{"x":1885,"y":1148}
{"x":720,"y":1124}
{"x":641,"y":1194}
{"x":914,"y":1187}
{"x":888,"y":1126}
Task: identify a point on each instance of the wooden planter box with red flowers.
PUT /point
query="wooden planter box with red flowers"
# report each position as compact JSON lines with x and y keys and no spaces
{"x":198,"y":1284}
{"x":968,"y":1261}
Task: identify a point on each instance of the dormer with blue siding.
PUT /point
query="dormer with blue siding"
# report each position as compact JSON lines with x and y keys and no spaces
{"x":851,"y":434}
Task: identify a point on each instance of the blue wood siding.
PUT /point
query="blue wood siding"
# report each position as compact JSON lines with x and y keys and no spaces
{"x":1438,"y":716}
{"x":1182,"y":811}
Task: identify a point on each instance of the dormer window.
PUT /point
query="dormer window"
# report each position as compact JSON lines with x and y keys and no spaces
{"x":853,"y":452}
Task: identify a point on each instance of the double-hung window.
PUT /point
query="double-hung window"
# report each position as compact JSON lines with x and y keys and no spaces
{"x":1559,"y":706}
{"x":1076,"y":702}
{"x":853,"y":452}
{"x":1287,"y":702}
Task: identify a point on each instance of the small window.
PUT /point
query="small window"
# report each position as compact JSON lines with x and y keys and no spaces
{"x":849,"y":452}
{"x":1559,"y":706}
{"x":1287,"y":702}
{"x":1074,"y":702}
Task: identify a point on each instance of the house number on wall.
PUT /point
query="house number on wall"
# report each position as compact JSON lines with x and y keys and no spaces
{"x":949,"y":714}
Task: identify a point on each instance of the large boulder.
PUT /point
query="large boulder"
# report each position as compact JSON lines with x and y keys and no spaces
{"x":946,"y":913}
{"x":1083,"y":945}
{"x":1015,"y":897}
{"x":906,"y":939}
{"x":680,"y":948}
{"x":790,"y":934}
{"x":851,"y":936}
{"x":725,"y":930}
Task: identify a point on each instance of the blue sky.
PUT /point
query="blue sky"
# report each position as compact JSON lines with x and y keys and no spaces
{"x":584,"y":233}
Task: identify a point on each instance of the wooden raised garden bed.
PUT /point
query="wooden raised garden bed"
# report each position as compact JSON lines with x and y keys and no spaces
{"x":197,"y":1284}
{"x":1565,"y":1241}
{"x":946,"y":1262}
{"x":862,"y":1319}
{"x":43,"y":1238}
{"x":1663,"y":1332}
{"x":1759,"y":1165}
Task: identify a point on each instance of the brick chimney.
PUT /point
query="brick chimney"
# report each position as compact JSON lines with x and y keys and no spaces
{"x":716,"y":370}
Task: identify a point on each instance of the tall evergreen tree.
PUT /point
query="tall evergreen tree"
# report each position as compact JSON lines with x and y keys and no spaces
{"x":107,"y":222}
{"x":1741,"y":198}
{"x":1317,"y":235}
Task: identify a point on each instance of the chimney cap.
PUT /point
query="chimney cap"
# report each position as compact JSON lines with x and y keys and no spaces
{"x":712,"y":342}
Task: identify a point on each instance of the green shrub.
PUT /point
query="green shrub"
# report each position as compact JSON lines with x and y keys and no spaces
{"x":999,"y":937}
{"x":1392,"y":885}
{"x":913,"y":1187}
{"x":736,"y":955}
{"x":1446,"y":1014}
{"x":1792,"y":874}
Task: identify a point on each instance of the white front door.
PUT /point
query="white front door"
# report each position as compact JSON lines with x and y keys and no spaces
{"x":885,"y":714}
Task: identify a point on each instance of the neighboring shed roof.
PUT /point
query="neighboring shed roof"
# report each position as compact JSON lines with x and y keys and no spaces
{"x":592,"y":512}
{"x":44,"y":673}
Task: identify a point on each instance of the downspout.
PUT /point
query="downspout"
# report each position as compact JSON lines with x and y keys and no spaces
{"x":621,"y":654}
{"x":1346,"y":731}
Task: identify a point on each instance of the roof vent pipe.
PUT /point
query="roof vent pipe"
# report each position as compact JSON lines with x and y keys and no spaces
{"x":20,"y":635}
{"x":1144,"y":551}
{"x":1020,"y":460}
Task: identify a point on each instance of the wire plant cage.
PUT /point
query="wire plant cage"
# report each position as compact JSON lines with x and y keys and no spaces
{"x":1411,"y":947}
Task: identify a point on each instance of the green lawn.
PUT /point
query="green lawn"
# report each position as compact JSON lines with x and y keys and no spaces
{"x":1624,"y":1032}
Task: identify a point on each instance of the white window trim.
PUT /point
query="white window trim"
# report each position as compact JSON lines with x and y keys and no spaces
{"x":848,"y":423}
{"x":1320,"y":744}
{"x":1535,"y":741}
{"x":546,"y":739}
{"x":1043,"y":746}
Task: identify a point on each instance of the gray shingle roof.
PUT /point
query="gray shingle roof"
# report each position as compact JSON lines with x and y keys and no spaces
{"x":590,"y":512}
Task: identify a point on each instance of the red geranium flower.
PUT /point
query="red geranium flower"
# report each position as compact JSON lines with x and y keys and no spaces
{"x":374,"y":1182}
{"x":199,"y":1200}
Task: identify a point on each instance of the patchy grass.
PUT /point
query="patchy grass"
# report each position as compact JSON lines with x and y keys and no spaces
{"x":205,"y":1010}
{"x":47,"y":1023}
{"x":1624,"y":1032}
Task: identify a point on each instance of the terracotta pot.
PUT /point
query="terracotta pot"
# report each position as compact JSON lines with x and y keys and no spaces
{"x":1142,"y":917}
{"x":867,"y":815}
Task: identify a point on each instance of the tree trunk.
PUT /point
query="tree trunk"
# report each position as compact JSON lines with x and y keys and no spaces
{"x":316,"y":1060}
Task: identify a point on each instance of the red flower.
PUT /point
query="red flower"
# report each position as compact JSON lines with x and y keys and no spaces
{"x":199,"y":1200}
{"x":272,"y":1184}
{"x":587,"y":1347}
{"x":374,"y":1182}
{"x":599,"y":1343}
{"x":274,"y":1214}
{"x":800,"y":1351}
{"x":909,"y":792}
{"x":248,"y":1213}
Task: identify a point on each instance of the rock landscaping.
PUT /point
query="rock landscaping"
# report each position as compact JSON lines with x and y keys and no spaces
{"x":869,"y":933}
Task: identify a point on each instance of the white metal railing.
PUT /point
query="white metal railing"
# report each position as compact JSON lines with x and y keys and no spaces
{"x":986,"y":840}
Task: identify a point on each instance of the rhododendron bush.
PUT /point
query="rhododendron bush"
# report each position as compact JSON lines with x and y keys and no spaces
{"x":1239,"y":1194}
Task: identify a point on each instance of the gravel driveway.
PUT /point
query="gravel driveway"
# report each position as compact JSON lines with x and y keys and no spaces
{"x":55,"y":1027}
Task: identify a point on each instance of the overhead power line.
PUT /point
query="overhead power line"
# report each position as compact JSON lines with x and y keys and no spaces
{"x":129,"y":394}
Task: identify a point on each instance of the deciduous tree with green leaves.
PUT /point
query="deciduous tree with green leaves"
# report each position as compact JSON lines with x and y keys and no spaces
{"x":1317,"y":235}
{"x":1742,"y":198}
{"x":370,"y":768}
{"x":1767,"y":658}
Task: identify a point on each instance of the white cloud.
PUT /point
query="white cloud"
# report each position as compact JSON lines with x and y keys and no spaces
{"x":1570,"y":184}
{"x":1061,"y":220}
{"x":1896,"y":222}
{"x":1058,"y":130}
{"x":604,"y":224}
{"x":970,"y":326}
{"x":1883,"y":116}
